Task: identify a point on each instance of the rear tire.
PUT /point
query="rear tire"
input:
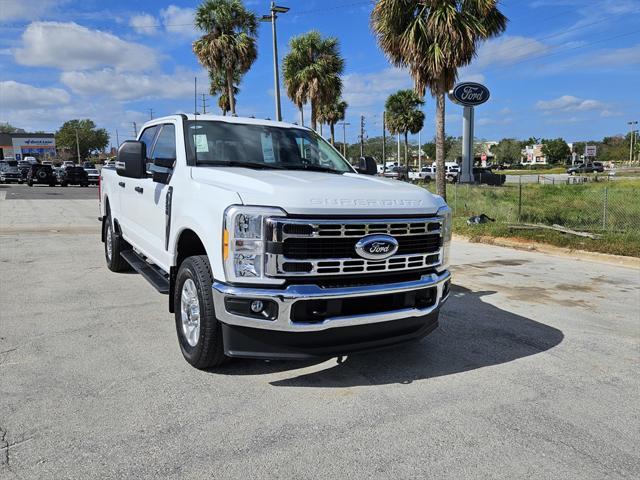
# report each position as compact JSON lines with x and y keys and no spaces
{"x":30,"y":183}
{"x":114,"y":244}
{"x":199,"y":331}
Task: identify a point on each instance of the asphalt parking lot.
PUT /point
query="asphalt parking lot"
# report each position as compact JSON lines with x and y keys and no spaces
{"x":43,"y":192}
{"x":533,"y":373}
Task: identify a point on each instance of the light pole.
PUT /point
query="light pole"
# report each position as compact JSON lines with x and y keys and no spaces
{"x":631,"y":138}
{"x":276,"y":74}
{"x":78,"y":147}
{"x":344,"y":138}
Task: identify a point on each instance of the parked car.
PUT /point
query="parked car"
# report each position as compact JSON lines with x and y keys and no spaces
{"x":41,"y":174}
{"x":586,"y":168}
{"x":485,"y":176}
{"x":23,"y":168}
{"x":86,"y":165}
{"x":68,"y":163}
{"x":452,"y":170}
{"x":265,"y":250}
{"x":93,"y":174}
{"x":45,"y":162}
{"x":9,"y":172}
{"x":31,"y":160}
{"x":74,"y":176}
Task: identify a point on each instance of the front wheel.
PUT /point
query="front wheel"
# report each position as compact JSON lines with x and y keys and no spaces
{"x":199,"y":331}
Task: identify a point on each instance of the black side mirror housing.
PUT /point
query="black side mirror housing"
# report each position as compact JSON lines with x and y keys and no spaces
{"x":368,"y":166}
{"x":132,"y":158}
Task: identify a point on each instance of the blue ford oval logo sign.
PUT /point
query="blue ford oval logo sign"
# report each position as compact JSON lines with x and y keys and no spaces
{"x":469,"y":94}
{"x":376,"y":247}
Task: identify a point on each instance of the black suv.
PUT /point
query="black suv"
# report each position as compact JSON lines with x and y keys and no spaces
{"x":74,"y":176}
{"x":41,"y":174}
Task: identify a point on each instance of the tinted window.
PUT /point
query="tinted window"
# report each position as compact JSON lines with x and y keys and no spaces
{"x":147,"y":138}
{"x":166,"y":143}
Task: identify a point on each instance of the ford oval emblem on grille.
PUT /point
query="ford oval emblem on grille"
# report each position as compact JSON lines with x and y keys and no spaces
{"x":376,"y":247}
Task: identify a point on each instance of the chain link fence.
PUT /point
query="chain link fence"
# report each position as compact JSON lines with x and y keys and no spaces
{"x":592,"y":207}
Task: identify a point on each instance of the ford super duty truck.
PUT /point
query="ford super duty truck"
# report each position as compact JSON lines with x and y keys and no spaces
{"x":269,"y":244}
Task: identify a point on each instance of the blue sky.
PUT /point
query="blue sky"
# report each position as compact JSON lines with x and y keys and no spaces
{"x":564,"y":68}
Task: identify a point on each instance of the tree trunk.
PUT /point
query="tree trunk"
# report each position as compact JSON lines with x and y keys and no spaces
{"x":302,"y":115}
{"x":406,"y":149}
{"x":441,"y":186}
{"x":232,"y":100}
{"x":333,"y":137}
{"x":314,"y":124}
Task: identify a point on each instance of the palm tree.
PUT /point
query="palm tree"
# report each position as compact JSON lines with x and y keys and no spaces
{"x":312,"y":70}
{"x":332,"y":113}
{"x":403,"y":115}
{"x":228,"y":44}
{"x":218,"y":87}
{"x":433,"y":38}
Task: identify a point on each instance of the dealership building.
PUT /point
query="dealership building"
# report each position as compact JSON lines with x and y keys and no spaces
{"x":20,"y":145}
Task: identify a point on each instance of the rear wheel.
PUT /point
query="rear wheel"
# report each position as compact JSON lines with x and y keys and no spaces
{"x":114,"y":244}
{"x":30,"y":183}
{"x":199,"y":332}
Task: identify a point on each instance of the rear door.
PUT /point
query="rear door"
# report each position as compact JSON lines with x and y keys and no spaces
{"x":130,"y":216}
{"x":154,"y":197}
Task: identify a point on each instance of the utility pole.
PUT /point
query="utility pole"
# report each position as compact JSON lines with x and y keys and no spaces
{"x":276,"y":74}
{"x":135,"y":130}
{"x":361,"y":135}
{"x":204,"y":103}
{"x":398,"y":162}
{"x":631,"y":139}
{"x":344,"y":138}
{"x":78,"y":146}
{"x":384,"y":141}
{"x":117,"y":139}
{"x":151,"y":114}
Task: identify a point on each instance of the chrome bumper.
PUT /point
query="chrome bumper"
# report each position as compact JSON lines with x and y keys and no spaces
{"x":285,"y":298}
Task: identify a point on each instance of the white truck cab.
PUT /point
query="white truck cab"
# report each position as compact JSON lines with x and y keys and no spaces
{"x":269,"y":244}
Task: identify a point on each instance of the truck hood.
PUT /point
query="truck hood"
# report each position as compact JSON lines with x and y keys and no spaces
{"x":317,"y":193}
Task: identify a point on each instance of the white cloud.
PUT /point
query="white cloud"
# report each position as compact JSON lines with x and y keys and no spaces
{"x":469,"y":76}
{"x":144,"y":24}
{"x":131,"y":86}
{"x":569,"y":103}
{"x":178,"y":20}
{"x":172,"y":20}
{"x":615,"y":57}
{"x":28,"y":9}
{"x":69,"y":46}
{"x":365,"y":90}
{"x":507,"y":50}
{"x":23,"y":96}
{"x":494,"y":121}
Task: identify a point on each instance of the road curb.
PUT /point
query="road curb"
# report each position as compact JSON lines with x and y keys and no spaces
{"x":530,"y":246}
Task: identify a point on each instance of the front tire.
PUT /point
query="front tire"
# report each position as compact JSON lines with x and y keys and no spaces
{"x":114,"y":244}
{"x":199,"y":331}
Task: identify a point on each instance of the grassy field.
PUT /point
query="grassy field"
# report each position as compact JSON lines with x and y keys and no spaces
{"x":610,"y":209}
{"x":535,"y":171}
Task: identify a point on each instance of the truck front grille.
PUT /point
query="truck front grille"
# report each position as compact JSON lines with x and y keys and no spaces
{"x":327,"y":247}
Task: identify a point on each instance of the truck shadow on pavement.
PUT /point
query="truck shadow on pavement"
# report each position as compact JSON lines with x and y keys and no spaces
{"x":472,"y":334}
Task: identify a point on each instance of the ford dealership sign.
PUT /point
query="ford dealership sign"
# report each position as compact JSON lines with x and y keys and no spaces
{"x":469,"y":94}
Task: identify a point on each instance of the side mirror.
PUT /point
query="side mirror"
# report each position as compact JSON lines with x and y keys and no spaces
{"x":368,"y":166}
{"x":132,"y":158}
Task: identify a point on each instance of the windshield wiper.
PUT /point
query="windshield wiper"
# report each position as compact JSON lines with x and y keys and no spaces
{"x":314,"y":168}
{"x":237,"y":163}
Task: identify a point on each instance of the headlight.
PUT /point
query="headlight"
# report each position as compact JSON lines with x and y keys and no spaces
{"x":445,"y":213}
{"x":243,"y":242}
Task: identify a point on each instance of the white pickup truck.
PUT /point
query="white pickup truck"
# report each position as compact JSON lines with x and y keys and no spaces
{"x":270,"y":244}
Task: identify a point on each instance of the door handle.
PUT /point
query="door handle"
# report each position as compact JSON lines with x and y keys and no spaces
{"x":121,"y":184}
{"x":139,"y":189}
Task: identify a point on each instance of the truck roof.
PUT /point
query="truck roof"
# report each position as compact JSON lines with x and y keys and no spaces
{"x":228,"y":119}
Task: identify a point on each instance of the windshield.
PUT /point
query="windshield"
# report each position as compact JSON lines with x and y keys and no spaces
{"x":92,"y":171}
{"x":260,"y":146}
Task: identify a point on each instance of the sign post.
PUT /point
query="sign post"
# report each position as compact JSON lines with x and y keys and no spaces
{"x":469,"y":95}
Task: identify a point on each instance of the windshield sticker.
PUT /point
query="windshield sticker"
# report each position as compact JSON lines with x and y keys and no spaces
{"x":267,"y":148}
{"x":201,"y":143}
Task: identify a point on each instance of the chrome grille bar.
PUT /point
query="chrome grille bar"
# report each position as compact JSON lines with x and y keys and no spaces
{"x":278,"y":229}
